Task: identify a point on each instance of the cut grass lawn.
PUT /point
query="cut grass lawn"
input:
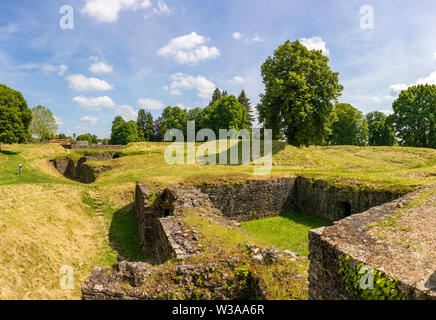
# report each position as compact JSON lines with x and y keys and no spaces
{"x":290,"y":231}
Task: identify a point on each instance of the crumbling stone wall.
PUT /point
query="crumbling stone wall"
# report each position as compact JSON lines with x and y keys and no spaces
{"x":261,"y":198}
{"x":202,"y":281}
{"x":348,"y":237}
{"x":80,"y":170}
{"x":162,"y":232}
{"x":253,"y":199}
{"x":164,"y":236}
{"x":318,"y":198}
{"x":92,"y":146}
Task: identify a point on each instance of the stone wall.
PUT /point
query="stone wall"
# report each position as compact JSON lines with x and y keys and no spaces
{"x":349,"y":238}
{"x":93,"y":146}
{"x":261,"y":198}
{"x":141,"y":281}
{"x":79,"y":170}
{"x":253,"y":199}
{"x":162,"y":233}
{"x":318,"y":198}
{"x":164,"y":236}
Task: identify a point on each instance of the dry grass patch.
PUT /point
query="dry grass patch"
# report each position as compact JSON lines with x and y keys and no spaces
{"x":43,"y":227}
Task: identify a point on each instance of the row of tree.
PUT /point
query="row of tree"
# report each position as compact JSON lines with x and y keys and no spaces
{"x":300,"y":105}
{"x":351,"y":127}
{"x":223,"y":112}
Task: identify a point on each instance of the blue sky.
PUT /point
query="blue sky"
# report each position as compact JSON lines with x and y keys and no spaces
{"x":125,"y":54}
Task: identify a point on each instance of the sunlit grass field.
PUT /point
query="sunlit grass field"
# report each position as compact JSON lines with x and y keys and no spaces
{"x":288,"y":231}
{"x":47,"y":220}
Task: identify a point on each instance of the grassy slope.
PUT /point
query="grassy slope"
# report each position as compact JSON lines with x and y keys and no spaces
{"x":45,"y":224}
{"x":47,"y":221}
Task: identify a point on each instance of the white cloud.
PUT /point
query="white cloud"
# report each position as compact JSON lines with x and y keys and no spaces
{"x":150,"y":104}
{"x":62,"y":69}
{"x":58,"y":120}
{"x":92,"y":120}
{"x":146,"y":4}
{"x":94,"y":103}
{"x":181,"y":106}
{"x":79,"y":82}
{"x":387,"y":111}
{"x":176,"y":92}
{"x":256,"y":38}
{"x":395,"y":89}
{"x":434,"y":55}
{"x":189,"y":49}
{"x":237,"y":80}
{"x":46,"y":68}
{"x":203,"y":86}
{"x":109,"y":10}
{"x":315,"y":43}
{"x":161,"y":8}
{"x":430,"y":79}
{"x":236,"y":35}
{"x":127,"y":112}
{"x":100,"y":67}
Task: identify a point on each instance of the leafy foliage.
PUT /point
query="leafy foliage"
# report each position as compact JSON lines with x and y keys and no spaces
{"x":124,"y":132}
{"x":415,"y":116}
{"x":300,"y":91}
{"x":350,"y":127}
{"x":216,"y":96}
{"x":145,"y":125}
{"x":380,"y":129}
{"x":43,"y":123}
{"x":174,"y":118}
{"x":247,"y":105}
{"x":384,"y":288}
{"x":15,"y":116}
{"x":91,"y":138}
{"x":226,"y":113}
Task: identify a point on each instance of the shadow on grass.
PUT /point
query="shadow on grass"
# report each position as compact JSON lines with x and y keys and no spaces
{"x":7,"y":152}
{"x":276,"y":147}
{"x":124,"y":237}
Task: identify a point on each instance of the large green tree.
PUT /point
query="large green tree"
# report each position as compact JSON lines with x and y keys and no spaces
{"x":350,"y":126}
{"x":415,"y":116}
{"x":380,"y":132}
{"x":197,"y":115}
{"x":145,"y":125}
{"x":124,"y":132}
{"x":43,"y":123}
{"x":174,"y":118}
{"x":247,"y":105}
{"x":15,"y":116}
{"x":91,"y":138}
{"x":226,"y":113}
{"x":300,"y":93}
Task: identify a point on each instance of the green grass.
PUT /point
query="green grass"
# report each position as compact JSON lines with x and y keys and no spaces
{"x":287,"y":232}
{"x":46,"y":222}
